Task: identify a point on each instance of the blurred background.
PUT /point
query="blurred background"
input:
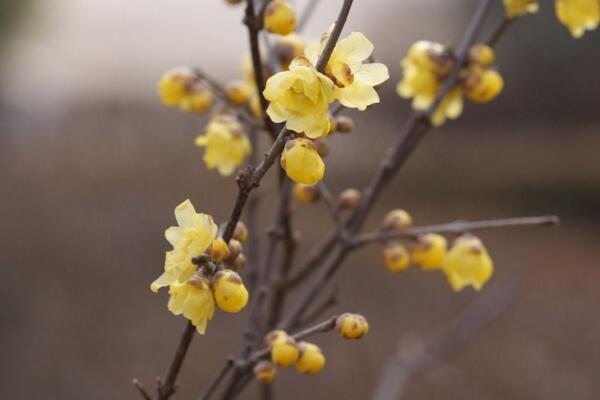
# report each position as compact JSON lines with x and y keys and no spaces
{"x":91,"y":167}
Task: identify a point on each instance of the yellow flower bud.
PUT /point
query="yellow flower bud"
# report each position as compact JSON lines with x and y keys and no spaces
{"x":348,"y":199}
{"x":301,"y":161}
{"x":351,"y":326}
{"x":280,"y":17}
{"x":219,"y":250}
{"x":344,"y":124}
{"x":396,"y":220}
{"x":311,"y":359}
{"x":265,"y":372}
{"x":482,"y":85}
{"x":578,"y":15}
{"x":237,"y":92}
{"x":396,"y":257}
{"x":199,"y":101}
{"x":284,"y":351}
{"x":307,"y":194}
{"x":482,"y":55}
{"x":230,"y":293}
{"x":174,"y":85}
{"x":429,"y":251}
{"x":255,"y":106}
{"x":273,"y":336}
{"x":516,"y":8}
{"x":240,"y":232}
{"x":288,"y":47}
{"x":467,"y":264}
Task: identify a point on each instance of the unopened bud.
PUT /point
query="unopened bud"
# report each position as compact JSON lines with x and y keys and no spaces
{"x":237,"y":92}
{"x":397,"y":219}
{"x":265,"y":372}
{"x":348,"y":199}
{"x":218,"y":250}
{"x":311,"y":358}
{"x":344,"y":124}
{"x":351,"y":326}
{"x":280,"y":17}
{"x":396,"y":257}
{"x":230,"y":293}
{"x":307,"y":194}
{"x":240,"y":232}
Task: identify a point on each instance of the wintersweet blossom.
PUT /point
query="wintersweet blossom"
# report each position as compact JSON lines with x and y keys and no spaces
{"x":517,"y":8}
{"x":467,"y":264}
{"x":194,"y":300}
{"x":180,"y":87}
{"x":578,"y":15}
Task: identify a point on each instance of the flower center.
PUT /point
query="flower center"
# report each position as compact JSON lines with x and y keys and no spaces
{"x":340,"y":73}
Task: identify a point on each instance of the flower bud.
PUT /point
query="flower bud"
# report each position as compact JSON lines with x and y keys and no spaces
{"x":235,"y":249}
{"x":351,"y":326}
{"x":396,"y":257}
{"x":238,"y":263}
{"x":482,"y":55}
{"x":280,"y":17}
{"x":482,"y":85}
{"x":322,"y":148}
{"x":255,"y":106}
{"x":265,"y":372}
{"x":467,"y":263}
{"x":311,"y":359}
{"x":199,"y":100}
{"x":348,"y":199}
{"x":302,"y":162}
{"x":307,"y":194}
{"x":288,"y":47}
{"x":237,"y":92}
{"x":174,"y":85}
{"x":429,"y":251}
{"x":284,"y":351}
{"x":240,"y":232}
{"x":218,"y":250}
{"x":344,"y":124}
{"x":396,"y":220}
{"x":230,"y":293}
{"x":273,"y":336}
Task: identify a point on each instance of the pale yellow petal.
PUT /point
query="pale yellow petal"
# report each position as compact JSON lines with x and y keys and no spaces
{"x":353,"y":50}
{"x":372,"y":74}
{"x":184,"y":213}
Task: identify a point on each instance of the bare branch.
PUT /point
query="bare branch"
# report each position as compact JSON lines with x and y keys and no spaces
{"x":141,"y":389}
{"x":498,"y":31}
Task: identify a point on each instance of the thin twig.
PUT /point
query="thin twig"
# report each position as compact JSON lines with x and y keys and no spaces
{"x":332,"y":206}
{"x":320,"y":309}
{"x":167,"y":388}
{"x":498,"y":31}
{"x":453,"y":227}
{"x":141,"y":389}
{"x":335,"y":35}
{"x":313,"y":261}
{"x":218,"y":379}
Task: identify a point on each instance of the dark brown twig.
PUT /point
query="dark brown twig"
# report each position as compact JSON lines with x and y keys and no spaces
{"x":167,"y":388}
{"x":498,"y":31}
{"x":335,"y":35}
{"x":218,"y":379}
{"x":141,"y":389}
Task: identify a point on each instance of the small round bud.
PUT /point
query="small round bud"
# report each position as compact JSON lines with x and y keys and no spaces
{"x":307,"y":194}
{"x":230,"y":293}
{"x":280,"y":17}
{"x":349,"y":199}
{"x":344,"y":124}
{"x":397,"y":219}
{"x":284,"y":351}
{"x":429,"y":251}
{"x":482,"y":85}
{"x":396,"y":257}
{"x":218,"y":250}
{"x":322,"y":148}
{"x":265,"y":372}
{"x":271,"y":337}
{"x":482,"y":55}
{"x":239,"y":263}
{"x":288,"y":47}
{"x":351,"y":326}
{"x":311,"y":359}
{"x":240,"y":232}
{"x":302,"y":162}
{"x":235,"y":249}
{"x":199,"y":100}
{"x":237,"y":92}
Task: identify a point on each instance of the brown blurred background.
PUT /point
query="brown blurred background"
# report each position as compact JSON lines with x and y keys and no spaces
{"x":91,"y":167}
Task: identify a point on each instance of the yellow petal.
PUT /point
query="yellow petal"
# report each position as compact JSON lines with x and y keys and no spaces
{"x":184,"y":213}
{"x":353,"y":50}
{"x":372,"y":74}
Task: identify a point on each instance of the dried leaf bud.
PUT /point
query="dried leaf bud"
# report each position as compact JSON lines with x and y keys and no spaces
{"x":265,"y":372}
{"x":344,"y":124}
{"x":218,"y":250}
{"x":322,"y":148}
{"x":397,"y":219}
{"x":239,"y":263}
{"x":230,"y":293}
{"x":240,"y":232}
{"x":307,"y":194}
{"x":396,"y":257}
{"x":284,"y":351}
{"x":429,"y":251}
{"x":311,"y":358}
{"x":235,"y":249}
{"x":237,"y":92}
{"x":351,"y":326}
{"x":280,"y":17}
{"x":348,"y":199}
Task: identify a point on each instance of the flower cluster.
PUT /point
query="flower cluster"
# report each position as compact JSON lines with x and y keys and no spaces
{"x":194,"y":291}
{"x":466,"y":263}
{"x":577,"y":15}
{"x":427,"y":65}
{"x":181,"y":87}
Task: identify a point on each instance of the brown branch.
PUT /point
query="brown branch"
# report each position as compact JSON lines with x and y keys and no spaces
{"x":320,"y":309}
{"x":313,"y":261}
{"x":335,"y":35}
{"x":456,"y":227}
{"x":141,"y":389}
{"x":167,"y":388}
{"x":218,"y":379}
{"x":332,"y":206}
{"x":498,"y":31}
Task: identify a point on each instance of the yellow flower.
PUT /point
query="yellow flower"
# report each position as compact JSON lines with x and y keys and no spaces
{"x":311,"y":359}
{"x":450,"y":108}
{"x":467,"y":263}
{"x":265,"y":372}
{"x":180,"y":87}
{"x":578,"y":15}
{"x":482,"y":85}
{"x":190,"y":239}
{"x":429,"y":251}
{"x":194,"y":300}
{"x":482,"y":54}
{"x":229,"y":290}
{"x":302,"y":162}
{"x":226,"y":144}
{"x":396,"y":257}
{"x":280,"y":17}
{"x":516,"y":8}
{"x":300,"y":96}
{"x":354,"y":81}
{"x":351,"y":326}
{"x":238,"y":92}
